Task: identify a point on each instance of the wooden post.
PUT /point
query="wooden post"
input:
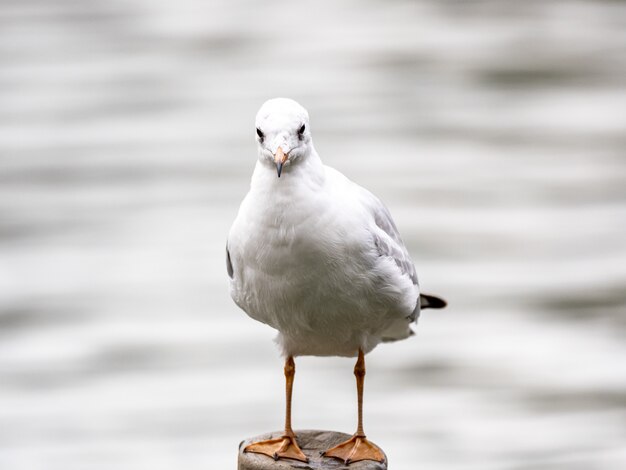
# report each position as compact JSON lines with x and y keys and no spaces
{"x":313,"y":443}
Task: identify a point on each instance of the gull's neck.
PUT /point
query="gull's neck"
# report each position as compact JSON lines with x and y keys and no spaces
{"x":308,"y":171}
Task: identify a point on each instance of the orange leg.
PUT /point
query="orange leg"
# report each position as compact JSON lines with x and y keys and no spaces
{"x":284,"y":447}
{"x":357,"y":447}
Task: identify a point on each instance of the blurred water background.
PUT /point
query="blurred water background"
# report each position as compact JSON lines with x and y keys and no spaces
{"x":494,"y":131}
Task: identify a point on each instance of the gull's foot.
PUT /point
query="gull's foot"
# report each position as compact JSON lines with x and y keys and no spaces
{"x":284,"y":447}
{"x":354,"y":449}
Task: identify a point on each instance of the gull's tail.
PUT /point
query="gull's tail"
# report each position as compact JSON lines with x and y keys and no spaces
{"x":431,"y":301}
{"x":401,"y":329}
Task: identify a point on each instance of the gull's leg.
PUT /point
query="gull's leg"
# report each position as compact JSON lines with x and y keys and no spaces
{"x":284,"y":447}
{"x":357,"y":447}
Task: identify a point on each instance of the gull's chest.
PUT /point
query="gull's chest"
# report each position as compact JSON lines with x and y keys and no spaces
{"x":297,"y":259}
{"x":289,"y":243}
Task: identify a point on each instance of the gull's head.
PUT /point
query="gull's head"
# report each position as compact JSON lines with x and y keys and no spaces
{"x":282,"y":133}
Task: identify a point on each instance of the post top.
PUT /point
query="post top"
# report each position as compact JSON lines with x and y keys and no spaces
{"x":312,"y":443}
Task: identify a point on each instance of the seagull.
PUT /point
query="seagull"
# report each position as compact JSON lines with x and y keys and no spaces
{"x":318,"y":258}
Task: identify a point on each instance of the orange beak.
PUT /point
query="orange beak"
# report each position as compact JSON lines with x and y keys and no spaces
{"x":280,"y":158}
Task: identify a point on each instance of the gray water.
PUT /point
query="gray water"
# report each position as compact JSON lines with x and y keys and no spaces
{"x":494,"y":131}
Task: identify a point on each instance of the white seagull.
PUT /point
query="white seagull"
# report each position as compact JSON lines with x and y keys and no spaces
{"x":318,"y":258}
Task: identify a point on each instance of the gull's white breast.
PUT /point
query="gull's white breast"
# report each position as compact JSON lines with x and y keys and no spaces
{"x":304,"y":262}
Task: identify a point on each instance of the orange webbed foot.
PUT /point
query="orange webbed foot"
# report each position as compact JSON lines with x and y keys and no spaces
{"x":355,"y":449}
{"x":284,"y":447}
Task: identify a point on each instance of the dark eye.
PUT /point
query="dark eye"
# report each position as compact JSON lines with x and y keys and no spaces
{"x":260,"y":134}
{"x":301,"y":130}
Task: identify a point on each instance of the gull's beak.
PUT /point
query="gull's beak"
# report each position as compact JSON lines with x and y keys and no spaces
{"x":280,"y":157}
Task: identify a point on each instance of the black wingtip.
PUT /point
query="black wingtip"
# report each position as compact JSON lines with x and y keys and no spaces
{"x":431,"y":301}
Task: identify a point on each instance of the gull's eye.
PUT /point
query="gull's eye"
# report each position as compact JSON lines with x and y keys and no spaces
{"x":260,"y":134}
{"x":301,"y":130}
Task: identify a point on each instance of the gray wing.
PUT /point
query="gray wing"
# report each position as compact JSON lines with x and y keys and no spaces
{"x":392,"y":245}
{"x":394,"y":248}
{"x":388,"y":243}
{"x":229,"y":263}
